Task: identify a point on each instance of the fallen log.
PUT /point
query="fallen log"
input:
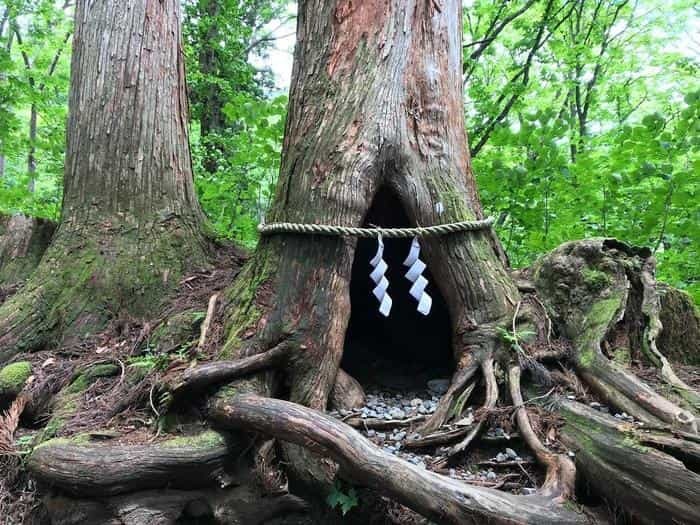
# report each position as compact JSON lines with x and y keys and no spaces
{"x":85,"y":468}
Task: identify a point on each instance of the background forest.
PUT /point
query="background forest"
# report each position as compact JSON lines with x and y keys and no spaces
{"x":584,"y":117}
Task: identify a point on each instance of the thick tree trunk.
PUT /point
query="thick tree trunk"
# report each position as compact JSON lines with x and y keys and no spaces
{"x":375,"y":103}
{"x":23,"y":241}
{"x":131,"y":223}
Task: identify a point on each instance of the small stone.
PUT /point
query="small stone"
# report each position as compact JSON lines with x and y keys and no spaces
{"x":490,"y":475}
{"x":595,"y":404}
{"x":500,"y":457}
{"x":528,"y":491}
{"x":452,"y":472}
{"x":399,"y":436}
{"x":618,"y":416}
{"x":397,"y":413}
{"x":416,"y":402}
{"x":571,"y":454}
{"x":511,"y":453}
{"x":371,"y":433}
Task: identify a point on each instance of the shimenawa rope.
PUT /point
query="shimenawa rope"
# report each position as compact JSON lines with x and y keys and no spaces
{"x":327,"y":229}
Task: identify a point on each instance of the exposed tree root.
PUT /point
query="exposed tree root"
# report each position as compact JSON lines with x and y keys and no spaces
{"x":82,"y":468}
{"x":347,"y":393}
{"x":487,"y":368}
{"x":434,"y":496}
{"x":601,"y":303}
{"x":456,"y":396}
{"x":653,"y":486}
{"x":203,"y":376}
{"x":233,"y":506}
{"x":561,"y":472}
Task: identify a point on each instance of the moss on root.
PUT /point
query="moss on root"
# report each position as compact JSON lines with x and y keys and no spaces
{"x":90,"y":276}
{"x":204,"y":440}
{"x":13,"y":377}
{"x":67,"y":401}
{"x":245,"y":298}
{"x":178,"y":331}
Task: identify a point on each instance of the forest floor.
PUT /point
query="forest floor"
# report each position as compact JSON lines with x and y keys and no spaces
{"x":399,"y":396}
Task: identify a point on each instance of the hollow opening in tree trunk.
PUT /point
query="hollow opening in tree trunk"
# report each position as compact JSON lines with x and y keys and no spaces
{"x":405,"y":349}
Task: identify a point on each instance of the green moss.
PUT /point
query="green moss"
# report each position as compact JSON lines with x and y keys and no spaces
{"x":177,"y":331}
{"x":89,"y":376}
{"x":631,"y":441}
{"x":246,"y":310}
{"x":206,"y":439}
{"x":595,"y":279}
{"x":14,"y":376}
{"x":52,"y":428}
{"x":78,"y":439}
{"x":622,"y":356}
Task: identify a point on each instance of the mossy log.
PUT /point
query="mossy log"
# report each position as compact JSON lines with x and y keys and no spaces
{"x":82,"y":467}
{"x":601,"y":295}
{"x":624,"y":464}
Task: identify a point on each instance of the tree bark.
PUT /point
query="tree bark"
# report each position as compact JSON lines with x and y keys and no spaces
{"x":130,"y":224}
{"x":391,"y":73}
{"x":23,"y":241}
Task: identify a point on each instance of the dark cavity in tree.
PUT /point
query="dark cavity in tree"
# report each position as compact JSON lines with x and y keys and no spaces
{"x":378,"y":349}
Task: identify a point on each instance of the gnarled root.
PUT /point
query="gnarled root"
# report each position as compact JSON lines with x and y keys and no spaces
{"x":561,"y":471}
{"x":430,"y":494}
{"x":652,"y":485}
{"x":487,"y":369}
{"x":600,"y":293}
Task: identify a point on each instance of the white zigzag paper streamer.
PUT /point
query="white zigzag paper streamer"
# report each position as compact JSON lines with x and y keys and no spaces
{"x":414,"y":274}
{"x":379,"y":278}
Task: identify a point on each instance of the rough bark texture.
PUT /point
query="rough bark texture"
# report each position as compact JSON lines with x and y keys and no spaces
{"x":131,"y":222}
{"x":375,"y":103}
{"x":680,"y":336}
{"x":375,"y":110}
{"x":23,"y":241}
{"x":654,"y":486}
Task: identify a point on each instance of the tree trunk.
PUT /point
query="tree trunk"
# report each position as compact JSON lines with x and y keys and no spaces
{"x":23,"y":241}
{"x":131,"y":224}
{"x":390,"y":73}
